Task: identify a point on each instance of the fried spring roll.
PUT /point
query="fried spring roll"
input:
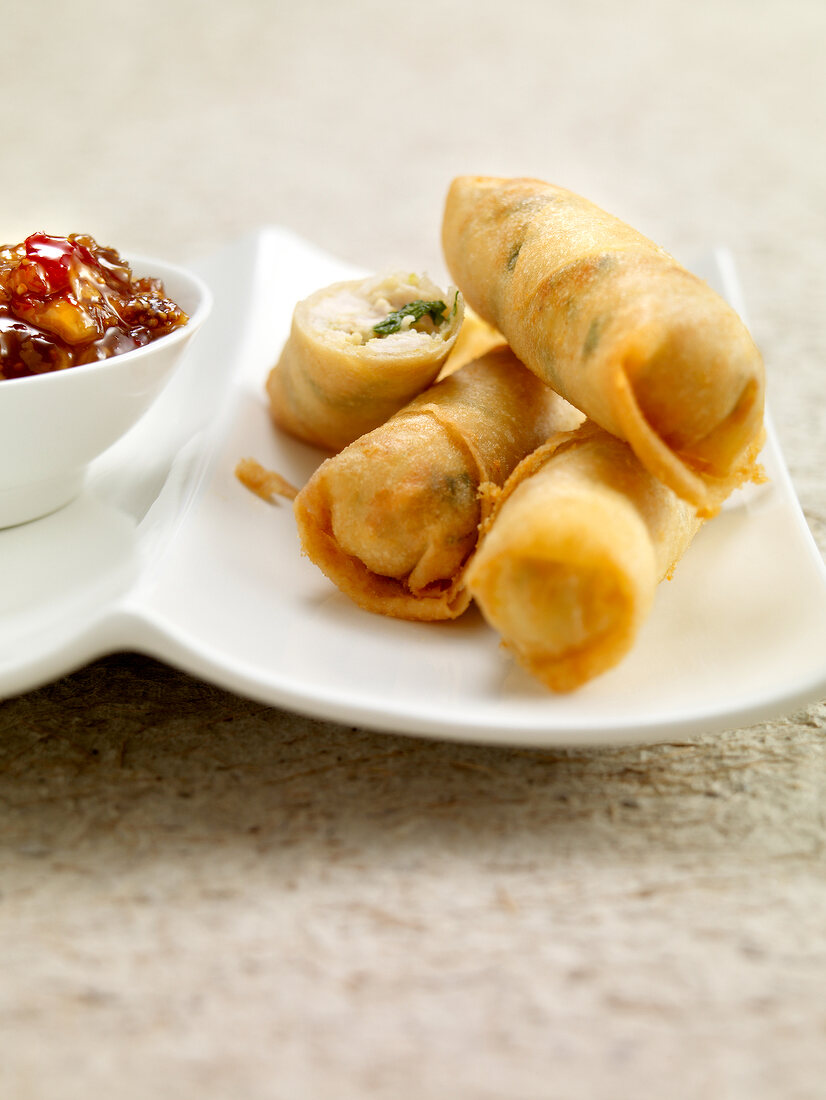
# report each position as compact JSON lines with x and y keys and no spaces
{"x":571,"y":555}
{"x":393,"y":519}
{"x":616,"y":325}
{"x":357,"y":352}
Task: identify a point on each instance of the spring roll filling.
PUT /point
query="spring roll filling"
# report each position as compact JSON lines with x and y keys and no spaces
{"x":401,"y":311}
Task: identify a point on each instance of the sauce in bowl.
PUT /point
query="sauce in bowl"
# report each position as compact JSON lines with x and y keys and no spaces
{"x":67,"y":301}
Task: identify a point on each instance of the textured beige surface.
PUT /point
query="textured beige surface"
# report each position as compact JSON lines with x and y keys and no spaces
{"x":202,"y":897}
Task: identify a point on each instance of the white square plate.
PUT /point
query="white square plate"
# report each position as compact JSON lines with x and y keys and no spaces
{"x":166,"y":553}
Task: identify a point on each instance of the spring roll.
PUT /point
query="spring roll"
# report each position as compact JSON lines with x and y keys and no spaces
{"x":357,"y":352}
{"x":570,"y":557}
{"x":393,"y":519}
{"x":617,"y":326}
{"x":476,"y":337}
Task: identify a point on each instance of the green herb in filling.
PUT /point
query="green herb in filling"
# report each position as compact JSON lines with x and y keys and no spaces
{"x":510,"y":263}
{"x":458,"y":488}
{"x":418,"y":309}
{"x":592,"y":337}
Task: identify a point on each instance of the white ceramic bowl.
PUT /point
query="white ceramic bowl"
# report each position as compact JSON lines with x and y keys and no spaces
{"x":53,"y":425}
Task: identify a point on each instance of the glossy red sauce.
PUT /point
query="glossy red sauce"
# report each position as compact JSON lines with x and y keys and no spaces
{"x":65,"y":301}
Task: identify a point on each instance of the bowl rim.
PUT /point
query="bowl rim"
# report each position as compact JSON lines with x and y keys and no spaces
{"x":147,"y":265}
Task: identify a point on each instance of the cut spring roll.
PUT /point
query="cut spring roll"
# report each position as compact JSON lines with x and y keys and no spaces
{"x":357,"y":352}
{"x":393,"y":519}
{"x":616,"y":325}
{"x":570,"y":557}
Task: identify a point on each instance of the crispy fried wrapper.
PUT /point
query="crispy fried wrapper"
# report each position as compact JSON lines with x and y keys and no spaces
{"x":357,"y":352}
{"x":265,"y":483}
{"x":617,"y":326}
{"x":571,"y":554}
{"x":476,"y":338}
{"x":393,"y":519}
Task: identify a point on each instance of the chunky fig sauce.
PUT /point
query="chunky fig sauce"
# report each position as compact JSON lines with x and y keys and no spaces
{"x":65,"y":301}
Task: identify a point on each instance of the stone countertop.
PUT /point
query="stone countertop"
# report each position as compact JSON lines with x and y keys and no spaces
{"x":202,"y":896}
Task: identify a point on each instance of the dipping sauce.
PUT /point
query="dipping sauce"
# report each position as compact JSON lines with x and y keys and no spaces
{"x":65,"y":301}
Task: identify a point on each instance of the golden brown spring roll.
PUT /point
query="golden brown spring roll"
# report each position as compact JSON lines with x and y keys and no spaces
{"x":358,"y":351}
{"x":570,"y":557}
{"x":392,"y":519}
{"x":616,"y":325}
